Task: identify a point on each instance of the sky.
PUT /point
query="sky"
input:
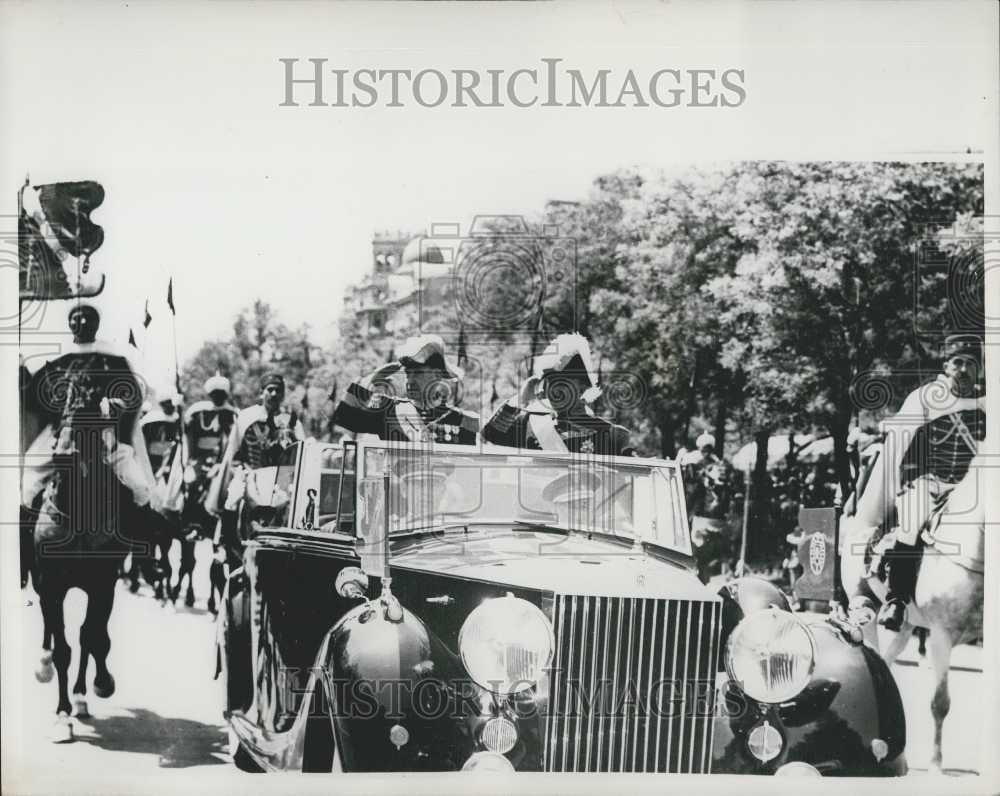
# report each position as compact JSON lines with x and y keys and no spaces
{"x":174,"y":108}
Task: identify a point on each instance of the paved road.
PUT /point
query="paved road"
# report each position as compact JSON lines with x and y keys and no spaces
{"x":166,"y":713}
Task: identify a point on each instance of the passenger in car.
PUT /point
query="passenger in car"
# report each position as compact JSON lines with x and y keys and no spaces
{"x":553,"y":410}
{"x":427,"y":411}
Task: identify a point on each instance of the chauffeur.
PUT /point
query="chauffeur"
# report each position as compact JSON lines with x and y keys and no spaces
{"x":942,"y":422}
{"x":425,"y":414}
{"x":553,"y":410}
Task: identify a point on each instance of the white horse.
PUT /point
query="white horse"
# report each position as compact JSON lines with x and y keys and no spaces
{"x":948,"y":598}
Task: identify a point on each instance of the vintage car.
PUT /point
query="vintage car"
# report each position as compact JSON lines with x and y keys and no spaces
{"x":403,"y":608}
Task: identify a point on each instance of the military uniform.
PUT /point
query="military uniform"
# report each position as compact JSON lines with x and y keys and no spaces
{"x":160,"y":432}
{"x":930,"y":444}
{"x":401,"y":420}
{"x":67,"y":394}
{"x":535,"y":428}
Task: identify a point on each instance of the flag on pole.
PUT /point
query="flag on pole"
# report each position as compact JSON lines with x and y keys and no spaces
{"x":149,"y":318}
{"x":131,"y":339}
{"x":53,"y":225}
{"x":463,"y":357}
{"x":177,"y":383}
{"x":170,"y":296}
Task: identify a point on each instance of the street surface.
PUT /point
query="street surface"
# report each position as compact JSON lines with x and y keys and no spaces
{"x":166,"y":712}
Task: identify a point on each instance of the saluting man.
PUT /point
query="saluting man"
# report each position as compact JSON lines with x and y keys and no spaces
{"x":930,"y":444}
{"x":553,"y":411}
{"x":426,"y":414}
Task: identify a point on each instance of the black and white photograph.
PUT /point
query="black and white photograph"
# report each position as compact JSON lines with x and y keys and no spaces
{"x":499,"y":397}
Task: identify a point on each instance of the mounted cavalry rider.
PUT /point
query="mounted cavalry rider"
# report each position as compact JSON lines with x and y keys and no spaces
{"x":207,"y":427}
{"x":259,"y":435}
{"x":92,"y":385}
{"x":161,"y":431}
{"x":553,"y":409}
{"x":929,"y":445}
{"x":207,"y":424}
{"x":425,"y":414}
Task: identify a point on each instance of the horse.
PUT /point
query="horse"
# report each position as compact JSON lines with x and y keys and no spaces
{"x":196,"y":523}
{"x":82,"y":513}
{"x":948,"y":598}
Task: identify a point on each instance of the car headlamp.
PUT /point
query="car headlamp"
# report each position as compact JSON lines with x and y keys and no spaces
{"x":506,"y":643}
{"x":771,"y":655}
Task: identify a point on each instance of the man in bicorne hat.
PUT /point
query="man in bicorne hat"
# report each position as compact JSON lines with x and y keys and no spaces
{"x":553,"y":409}
{"x":426,"y":414}
{"x":929,"y":446}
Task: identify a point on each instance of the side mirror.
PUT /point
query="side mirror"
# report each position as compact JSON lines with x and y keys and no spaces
{"x":352,"y":583}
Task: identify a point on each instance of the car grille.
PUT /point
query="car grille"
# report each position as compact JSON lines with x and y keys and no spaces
{"x":616,"y":701}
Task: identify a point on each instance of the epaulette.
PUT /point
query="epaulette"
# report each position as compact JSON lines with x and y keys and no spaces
{"x":504,"y":417}
{"x":468,"y":421}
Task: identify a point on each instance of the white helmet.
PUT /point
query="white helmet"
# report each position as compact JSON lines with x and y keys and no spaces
{"x":218,"y":382}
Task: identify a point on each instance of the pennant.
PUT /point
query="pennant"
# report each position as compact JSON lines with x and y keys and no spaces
{"x":131,"y":339}
{"x":170,"y":296}
{"x":177,"y":383}
{"x":305,"y":399}
{"x":333,"y":392}
{"x":392,"y":355}
{"x":149,"y":318}
{"x":494,"y":396}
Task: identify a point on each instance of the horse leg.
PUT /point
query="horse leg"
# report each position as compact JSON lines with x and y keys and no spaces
{"x":892,"y":643}
{"x":164,"y":571}
{"x":940,"y":648}
{"x":100,"y":601}
{"x":217,"y":578}
{"x":133,"y":573}
{"x":187,"y":568}
{"x":80,"y":686}
{"x":51,"y":600}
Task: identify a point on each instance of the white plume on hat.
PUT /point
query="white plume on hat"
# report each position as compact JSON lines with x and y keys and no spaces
{"x":217,"y":382}
{"x":703,"y":440}
{"x":422,"y":347}
{"x":559,"y":352}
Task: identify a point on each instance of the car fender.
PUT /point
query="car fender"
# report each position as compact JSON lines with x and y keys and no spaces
{"x":392,"y":686}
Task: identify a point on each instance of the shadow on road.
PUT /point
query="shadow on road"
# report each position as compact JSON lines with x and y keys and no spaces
{"x":180,"y":743}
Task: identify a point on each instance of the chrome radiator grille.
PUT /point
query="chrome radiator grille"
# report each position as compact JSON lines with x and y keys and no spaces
{"x":633,"y":685}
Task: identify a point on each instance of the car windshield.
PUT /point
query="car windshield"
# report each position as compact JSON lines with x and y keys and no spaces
{"x":445,"y":487}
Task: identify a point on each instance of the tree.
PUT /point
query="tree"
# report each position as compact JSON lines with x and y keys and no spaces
{"x":260,"y":344}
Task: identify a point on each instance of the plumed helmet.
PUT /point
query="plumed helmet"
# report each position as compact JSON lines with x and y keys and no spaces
{"x":216,"y":383}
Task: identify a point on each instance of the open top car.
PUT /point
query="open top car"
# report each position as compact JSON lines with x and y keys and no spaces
{"x":406,"y":608}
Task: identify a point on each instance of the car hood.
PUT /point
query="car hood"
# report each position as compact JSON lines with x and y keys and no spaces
{"x":561,"y":563}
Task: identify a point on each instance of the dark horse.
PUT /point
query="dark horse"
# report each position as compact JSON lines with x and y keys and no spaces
{"x":86,"y":518}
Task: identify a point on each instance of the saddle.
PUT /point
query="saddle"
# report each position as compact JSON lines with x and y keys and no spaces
{"x":884,"y":538}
